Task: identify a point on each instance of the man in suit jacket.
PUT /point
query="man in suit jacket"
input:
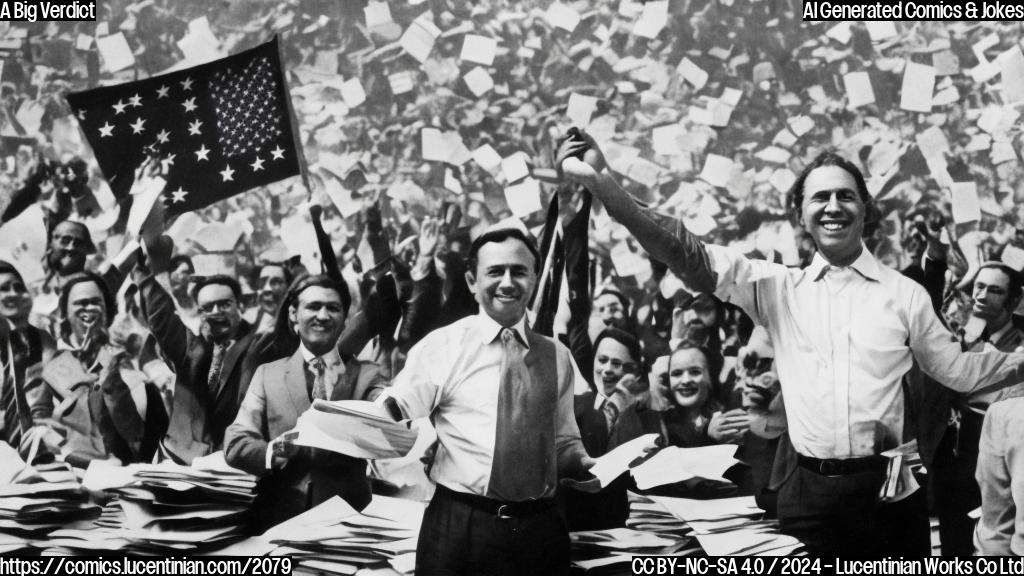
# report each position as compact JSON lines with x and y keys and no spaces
{"x":996,"y":292}
{"x":300,"y":478}
{"x":213,"y":367}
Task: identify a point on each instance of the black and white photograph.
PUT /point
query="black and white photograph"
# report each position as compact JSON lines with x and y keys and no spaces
{"x":511,"y":287}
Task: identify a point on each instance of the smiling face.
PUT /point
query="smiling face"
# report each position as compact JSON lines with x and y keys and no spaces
{"x":609,"y":308}
{"x":273,"y":284}
{"x":87,"y":311}
{"x":833,"y":214}
{"x":218,"y":309}
{"x":611,"y":361}
{"x":15,"y":300}
{"x":689,"y":379}
{"x":318,"y":316}
{"x":503,"y":280}
{"x":991,"y":292}
{"x":69,"y":247}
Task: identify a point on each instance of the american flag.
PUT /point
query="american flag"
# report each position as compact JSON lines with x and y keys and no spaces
{"x":219,"y":129}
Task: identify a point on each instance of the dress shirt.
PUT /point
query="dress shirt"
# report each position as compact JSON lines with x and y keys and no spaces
{"x":979,"y":401}
{"x":1000,"y":471}
{"x":844,"y":338}
{"x":334,"y":367}
{"x":453,"y":375}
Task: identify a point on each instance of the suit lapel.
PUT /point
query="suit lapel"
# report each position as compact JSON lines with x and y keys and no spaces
{"x":1010,"y":340}
{"x":295,"y":382}
{"x":345,"y":386}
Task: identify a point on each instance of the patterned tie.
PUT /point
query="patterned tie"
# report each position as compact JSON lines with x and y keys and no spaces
{"x":10,"y":418}
{"x":520,"y":467}
{"x":318,"y":368}
{"x":216,"y":365}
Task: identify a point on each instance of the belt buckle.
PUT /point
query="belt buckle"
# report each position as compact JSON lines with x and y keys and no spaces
{"x":501,"y":514}
{"x":829,"y":468}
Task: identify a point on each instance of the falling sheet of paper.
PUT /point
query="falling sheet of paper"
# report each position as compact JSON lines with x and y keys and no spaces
{"x":616,"y":462}
{"x":918,"y":86}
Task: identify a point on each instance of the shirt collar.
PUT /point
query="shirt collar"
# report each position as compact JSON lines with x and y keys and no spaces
{"x":490,"y":330}
{"x":866,"y":265}
{"x":332,"y":358}
{"x":998,"y":334}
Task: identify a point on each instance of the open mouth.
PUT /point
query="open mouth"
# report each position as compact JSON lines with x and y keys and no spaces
{"x":87,"y":318}
{"x":833,"y":226}
{"x":686,"y":390}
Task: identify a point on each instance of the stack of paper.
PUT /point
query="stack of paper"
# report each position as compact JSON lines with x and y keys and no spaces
{"x":165,"y":508}
{"x":730,"y":526}
{"x":674,"y":464}
{"x":35,"y":510}
{"x":356,"y":428}
{"x":333,"y":538}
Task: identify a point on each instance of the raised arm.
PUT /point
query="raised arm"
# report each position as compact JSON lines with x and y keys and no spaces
{"x":170,"y":332}
{"x":663,"y":237}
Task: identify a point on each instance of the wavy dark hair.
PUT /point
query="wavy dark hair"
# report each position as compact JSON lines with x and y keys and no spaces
{"x":283,"y":341}
{"x":831,"y":158}
{"x":631,"y":343}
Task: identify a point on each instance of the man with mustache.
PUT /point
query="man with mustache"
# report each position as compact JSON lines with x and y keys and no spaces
{"x":996,"y":292}
{"x":299,"y":478}
{"x":846,"y":330}
{"x":501,"y":399}
{"x":213,"y":367}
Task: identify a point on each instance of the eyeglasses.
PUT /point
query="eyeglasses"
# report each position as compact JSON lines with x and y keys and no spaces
{"x":217,"y":306}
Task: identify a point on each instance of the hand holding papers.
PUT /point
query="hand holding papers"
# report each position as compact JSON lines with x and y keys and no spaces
{"x":674,"y":464}
{"x":610,"y":466}
{"x":353,"y":427}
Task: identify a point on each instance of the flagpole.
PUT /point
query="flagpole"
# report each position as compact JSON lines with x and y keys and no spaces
{"x":299,"y":150}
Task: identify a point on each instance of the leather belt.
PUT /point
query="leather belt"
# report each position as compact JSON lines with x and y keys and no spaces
{"x":842,"y":466}
{"x":498,"y":507}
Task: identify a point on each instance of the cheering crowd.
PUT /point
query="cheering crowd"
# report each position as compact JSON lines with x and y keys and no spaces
{"x":817,"y":310}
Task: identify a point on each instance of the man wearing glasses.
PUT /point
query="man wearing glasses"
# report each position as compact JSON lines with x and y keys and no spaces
{"x":213,"y":368}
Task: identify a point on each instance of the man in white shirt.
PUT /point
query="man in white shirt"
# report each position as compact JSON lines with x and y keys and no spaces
{"x":846,"y":329}
{"x":501,"y":399}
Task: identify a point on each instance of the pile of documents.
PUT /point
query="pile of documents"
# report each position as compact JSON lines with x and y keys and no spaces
{"x":610,"y":551}
{"x":730,"y":526}
{"x":35,"y":500}
{"x":900,"y":482}
{"x":356,"y":428}
{"x":164,"y":508}
{"x":333,"y":538}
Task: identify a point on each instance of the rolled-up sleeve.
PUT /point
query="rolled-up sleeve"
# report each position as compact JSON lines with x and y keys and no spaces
{"x":414,"y":389}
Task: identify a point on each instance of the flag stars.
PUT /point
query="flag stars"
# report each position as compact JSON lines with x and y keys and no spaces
{"x":106,"y":130}
{"x":193,"y":128}
{"x":137,"y":127}
{"x":278,"y":153}
{"x":202,"y":153}
{"x":163,"y":136}
{"x":186,"y":84}
{"x":189,"y":104}
{"x":162,"y":92}
{"x":257,"y":165}
{"x":119,"y":107}
{"x":135,"y":101}
{"x":228,"y":174}
{"x":178,"y":195}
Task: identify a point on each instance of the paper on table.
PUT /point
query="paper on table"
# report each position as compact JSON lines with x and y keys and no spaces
{"x":523,"y":199}
{"x":621,"y":539}
{"x":717,"y":170}
{"x":687,"y":509}
{"x":918,"y":87}
{"x":352,"y":92}
{"x":115,"y":52}
{"x":514,"y":166}
{"x":652,"y":20}
{"x":966,"y":207}
{"x":405,"y":513}
{"x":858,"y":89}
{"x":580,"y":109}
{"x":478,"y":81}
{"x":692,"y":73}
{"x":327,"y":513}
{"x":479,"y":49}
{"x":418,"y":39}
{"x":1012,"y":66}
{"x":615,"y":462}
{"x":561,"y":16}
{"x":745,"y":543}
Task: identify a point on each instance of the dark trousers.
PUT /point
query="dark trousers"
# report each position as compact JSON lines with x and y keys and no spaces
{"x":955,"y":488}
{"x":840,"y":516}
{"x":457,"y":538}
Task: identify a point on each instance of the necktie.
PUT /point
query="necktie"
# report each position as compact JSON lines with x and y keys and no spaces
{"x":216,"y":365}
{"x":522,"y":447}
{"x":9,"y":423}
{"x":318,"y":368}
